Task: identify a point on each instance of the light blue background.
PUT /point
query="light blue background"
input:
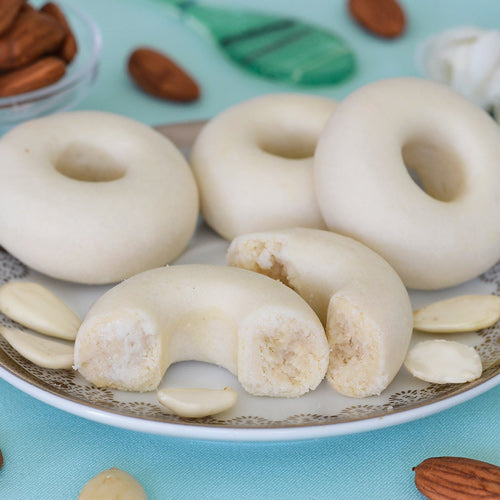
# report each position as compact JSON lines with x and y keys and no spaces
{"x":50,"y":454}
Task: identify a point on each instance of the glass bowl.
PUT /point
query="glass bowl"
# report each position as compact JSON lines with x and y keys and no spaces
{"x":71,"y":88}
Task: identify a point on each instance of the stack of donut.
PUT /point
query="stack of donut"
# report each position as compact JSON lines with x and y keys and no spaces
{"x":348,"y":204}
{"x":272,"y":163}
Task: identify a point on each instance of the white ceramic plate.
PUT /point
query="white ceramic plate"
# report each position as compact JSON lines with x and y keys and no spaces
{"x":318,"y":414}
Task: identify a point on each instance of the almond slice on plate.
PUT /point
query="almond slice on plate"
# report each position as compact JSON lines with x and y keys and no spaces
{"x":43,"y":351}
{"x":465,"y":313}
{"x":197,"y":403}
{"x":35,"y":307}
{"x":444,"y":362}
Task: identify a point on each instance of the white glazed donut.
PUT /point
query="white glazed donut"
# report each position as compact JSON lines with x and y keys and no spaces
{"x":253,"y":326}
{"x":435,"y":238}
{"x":253,"y":164}
{"x":94,"y":197}
{"x":356,"y":294}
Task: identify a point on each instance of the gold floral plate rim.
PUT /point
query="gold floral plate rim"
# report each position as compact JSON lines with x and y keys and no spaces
{"x":67,"y":390}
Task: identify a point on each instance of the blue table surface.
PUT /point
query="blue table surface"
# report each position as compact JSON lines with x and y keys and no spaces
{"x":50,"y":454}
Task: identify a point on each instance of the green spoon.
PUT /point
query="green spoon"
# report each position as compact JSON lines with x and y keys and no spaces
{"x":272,"y":46}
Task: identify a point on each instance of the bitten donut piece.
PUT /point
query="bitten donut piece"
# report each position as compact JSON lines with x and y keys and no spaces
{"x":94,"y":197}
{"x":435,"y":237}
{"x":251,"y":325}
{"x":253,"y":164}
{"x":356,"y":294}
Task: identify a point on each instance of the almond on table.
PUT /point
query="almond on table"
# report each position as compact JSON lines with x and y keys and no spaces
{"x":113,"y":483}
{"x":384,"y":18}
{"x":160,"y":76}
{"x":440,"y":478}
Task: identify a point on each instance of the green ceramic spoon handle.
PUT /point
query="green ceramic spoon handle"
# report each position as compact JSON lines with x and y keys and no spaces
{"x":273,"y":46}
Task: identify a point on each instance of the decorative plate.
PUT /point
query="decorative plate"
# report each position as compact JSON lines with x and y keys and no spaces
{"x":320,"y":413}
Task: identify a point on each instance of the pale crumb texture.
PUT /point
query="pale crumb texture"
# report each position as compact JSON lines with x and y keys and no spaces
{"x":113,"y":484}
{"x":269,"y":257}
{"x":281,"y":356}
{"x":247,"y":323}
{"x":464,"y":313}
{"x":197,"y":403}
{"x":286,"y":354}
{"x":42,"y":351}
{"x":259,"y":256}
{"x":355,"y":367}
{"x":444,"y":362}
{"x":119,"y":352}
{"x":355,"y":294}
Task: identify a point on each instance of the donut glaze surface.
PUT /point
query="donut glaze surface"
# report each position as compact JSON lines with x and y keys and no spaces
{"x":253,"y":163}
{"x":358,"y":297}
{"x":439,"y":233}
{"x":94,"y":197}
{"x":255,"y":327}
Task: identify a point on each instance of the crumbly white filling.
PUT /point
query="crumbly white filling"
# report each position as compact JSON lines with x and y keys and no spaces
{"x":282,"y":358}
{"x":355,"y":358}
{"x":120,"y":353}
{"x":264,"y":257}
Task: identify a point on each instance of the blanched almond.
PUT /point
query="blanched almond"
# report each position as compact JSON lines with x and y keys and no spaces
{"x":465,"y":313}
{"x":113,"y":484}
{"x":197,"y":403}
{"x":44,"y":352}
{"x":36,"y":307}
{"x":444,"y":362}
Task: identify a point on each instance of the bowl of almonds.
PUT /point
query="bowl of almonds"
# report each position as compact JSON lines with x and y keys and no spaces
{"x":49,"y":56}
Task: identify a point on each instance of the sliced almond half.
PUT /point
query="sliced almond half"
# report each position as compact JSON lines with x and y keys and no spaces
{"x":444,"y":362}
{"x":197,"y":403}
{"x":465,"y":313}
{"x":43,"y":351}
{"x":35,"y":307}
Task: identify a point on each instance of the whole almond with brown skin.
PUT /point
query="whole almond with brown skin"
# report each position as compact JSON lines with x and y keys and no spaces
{"x":456,"y":478}
{"x":1,"y":459}
{"x":32,"y":35}
{"x":158,"y":75}
{"x":384,"y":18}
{"x":69,"y":46}
{"x":39,"y":74}
{"x":9,"y":9}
